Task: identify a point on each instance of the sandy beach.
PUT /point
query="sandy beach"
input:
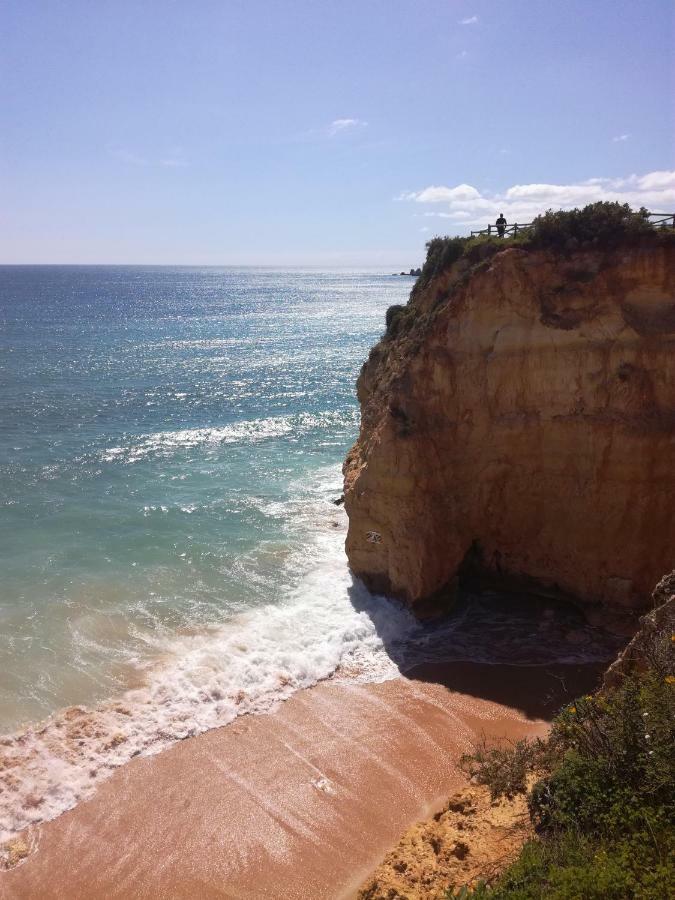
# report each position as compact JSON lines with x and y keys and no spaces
{"x":300,"y":803}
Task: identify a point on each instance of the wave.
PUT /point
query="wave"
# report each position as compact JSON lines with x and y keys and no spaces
{"x":165,"y":443}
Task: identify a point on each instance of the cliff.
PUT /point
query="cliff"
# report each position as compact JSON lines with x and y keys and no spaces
{"x":518,"y":419}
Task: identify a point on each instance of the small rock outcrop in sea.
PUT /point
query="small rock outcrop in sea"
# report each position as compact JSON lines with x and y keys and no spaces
{"x":518,"y":420}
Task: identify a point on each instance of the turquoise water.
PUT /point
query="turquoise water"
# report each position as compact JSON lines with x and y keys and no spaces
{"x":160,"y":428}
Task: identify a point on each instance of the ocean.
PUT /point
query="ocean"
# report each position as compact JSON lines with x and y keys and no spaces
{"x":170,"y":449}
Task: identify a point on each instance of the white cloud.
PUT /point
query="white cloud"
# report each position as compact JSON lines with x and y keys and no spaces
{"x":470,"y":20}
{"x":620,"y":138}
{"x":466,"y":206}
{"x":435,"y":194}
{"x":462,"y":55}
{"x":656,"y":181}
{"x":339,"y":125}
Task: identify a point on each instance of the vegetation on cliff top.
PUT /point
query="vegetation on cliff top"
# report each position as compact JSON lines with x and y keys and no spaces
{"x":601,"y":225}
{"x":603,"y":810}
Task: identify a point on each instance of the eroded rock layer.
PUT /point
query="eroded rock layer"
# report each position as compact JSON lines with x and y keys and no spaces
{"x":523,"y":416}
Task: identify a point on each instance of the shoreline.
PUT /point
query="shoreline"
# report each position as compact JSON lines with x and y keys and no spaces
{"x":302,"y":801}
{"x":251,"y":663}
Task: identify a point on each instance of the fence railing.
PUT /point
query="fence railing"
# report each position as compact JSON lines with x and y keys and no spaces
{"x":662,"y":220}
{"x":657,"y":220}
{"x":506,"y":230}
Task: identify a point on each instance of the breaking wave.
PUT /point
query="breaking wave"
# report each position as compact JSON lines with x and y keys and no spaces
{"x":165,"y":443}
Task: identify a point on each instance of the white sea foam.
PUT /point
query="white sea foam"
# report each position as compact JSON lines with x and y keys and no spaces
{"x":164,"y":443}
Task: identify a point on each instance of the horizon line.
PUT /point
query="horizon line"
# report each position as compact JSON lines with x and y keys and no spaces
{"x":199,"y":265}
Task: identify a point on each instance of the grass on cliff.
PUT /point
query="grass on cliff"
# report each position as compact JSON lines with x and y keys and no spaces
{"x":603,"y":812}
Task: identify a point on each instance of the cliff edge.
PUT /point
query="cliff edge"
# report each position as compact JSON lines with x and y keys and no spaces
{"x":518,"y":419}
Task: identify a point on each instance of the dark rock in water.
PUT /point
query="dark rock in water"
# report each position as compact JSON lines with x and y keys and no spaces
{"x":340,"y":500}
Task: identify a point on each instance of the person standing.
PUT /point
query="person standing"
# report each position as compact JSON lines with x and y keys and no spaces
{"x":501,"y":225}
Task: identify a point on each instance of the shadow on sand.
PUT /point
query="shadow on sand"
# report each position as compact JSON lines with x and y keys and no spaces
{"x":537,"y":691}
{"x":529,"y":653}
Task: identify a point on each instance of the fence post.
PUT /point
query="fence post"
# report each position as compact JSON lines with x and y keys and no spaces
{"x":515,"y":229}
{"x":489,"y":230}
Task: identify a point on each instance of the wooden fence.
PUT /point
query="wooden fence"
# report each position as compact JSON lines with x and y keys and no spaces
{"x":657,"y":220}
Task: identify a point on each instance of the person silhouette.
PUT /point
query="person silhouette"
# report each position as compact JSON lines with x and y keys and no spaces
{"x":501,"y":225}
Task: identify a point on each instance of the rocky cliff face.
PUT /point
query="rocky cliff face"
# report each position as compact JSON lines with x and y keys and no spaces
{"x":522,"y":418}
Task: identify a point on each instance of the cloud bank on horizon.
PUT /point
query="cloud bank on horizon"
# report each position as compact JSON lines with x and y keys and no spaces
{"x":466,"y":206}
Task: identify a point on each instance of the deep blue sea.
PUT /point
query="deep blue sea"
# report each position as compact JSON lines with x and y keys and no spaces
{"x":171,"y":443}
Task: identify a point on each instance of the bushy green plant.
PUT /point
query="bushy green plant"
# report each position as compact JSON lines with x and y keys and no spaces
{"x":393,"y":316}
{"x":577,"y":866}
{"x":503,"y":769}
{"x":442,"y":252}
{"x":603,"y":223}
{"x":617,"y":751}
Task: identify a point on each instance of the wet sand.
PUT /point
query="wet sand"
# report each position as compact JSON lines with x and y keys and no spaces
{"x":301,"y":803}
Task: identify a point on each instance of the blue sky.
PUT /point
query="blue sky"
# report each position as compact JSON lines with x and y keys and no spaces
{"x":318,"y":132}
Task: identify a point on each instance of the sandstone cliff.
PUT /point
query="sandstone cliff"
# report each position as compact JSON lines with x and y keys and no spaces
{"x":522,"y":417}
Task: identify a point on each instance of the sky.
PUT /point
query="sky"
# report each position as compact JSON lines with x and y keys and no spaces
{"x":320,"y":132}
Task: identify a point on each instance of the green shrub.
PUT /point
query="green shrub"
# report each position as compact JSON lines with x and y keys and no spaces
{"x":502,"y":769}
{"x":617,"y":752}
{"x":576,"y":866}
{"x":442,"y":252}
{"x":603,"y":223}
{"x":393,"y":316}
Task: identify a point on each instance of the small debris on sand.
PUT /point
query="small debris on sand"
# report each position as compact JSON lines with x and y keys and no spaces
{"x":14,"y":852}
